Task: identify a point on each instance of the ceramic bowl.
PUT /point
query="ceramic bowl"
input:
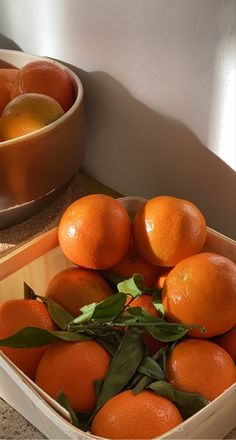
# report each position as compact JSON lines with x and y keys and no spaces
{"x":37,"y":167}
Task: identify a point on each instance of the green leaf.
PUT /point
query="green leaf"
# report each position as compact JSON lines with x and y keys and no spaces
{"x":87,"y":313}
{"x":170,"y":332}
{"x":63,"y":400}
{"x":133,"y":286}
{"x":149,"y":367}
{"x":187,"y":403}
{"x":157,"y":301}
{"x":37,"y":337}
{"x":157,"y":295}
{"x":123,"y":366}
{"x":98,"y":386}
{"x":107,"y":309}
{"x":28,"y":292}
{"x":59,"y":315}
{"x":85,"y":421}
{"x":145,"y":317}
{"x":111,"y":342}
{"x":142,"y":384}
{"x":164,"y":389}
{"x":110,"y":307}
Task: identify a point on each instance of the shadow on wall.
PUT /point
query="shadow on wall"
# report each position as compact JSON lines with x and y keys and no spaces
{"x":138,"y":151}
{"x":6,"y":43}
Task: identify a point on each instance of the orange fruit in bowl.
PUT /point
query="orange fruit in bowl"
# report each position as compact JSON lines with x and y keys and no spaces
{"x":27,"y":113}
{"x":72,"y":367}
{"x":131,"y":263}
{"x":5,"y":96}
{"x":200,"y":366}
{"x":73,"y":288}
{"x":94,"y":231}
{"x":201,"y":290}
{"x":141,"y":416}
{"x":8,"y":75}
{"x":15,"y":315}
{"x":168,"y":229}
{"x":6,"y":78}
{"x":47,"y":78}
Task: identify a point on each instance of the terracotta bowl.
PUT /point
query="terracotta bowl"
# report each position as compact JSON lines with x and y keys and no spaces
{"x":37,"y":167}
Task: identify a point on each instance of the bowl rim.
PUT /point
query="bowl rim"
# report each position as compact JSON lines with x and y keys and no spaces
{"x":53,"y":125}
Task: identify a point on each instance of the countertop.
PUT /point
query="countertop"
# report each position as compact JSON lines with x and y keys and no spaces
{"x":12,"y":424}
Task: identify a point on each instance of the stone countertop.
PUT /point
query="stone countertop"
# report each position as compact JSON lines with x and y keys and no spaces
{"x":12,"y":424}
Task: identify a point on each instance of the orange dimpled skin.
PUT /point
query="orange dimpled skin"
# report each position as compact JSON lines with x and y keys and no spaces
{"x":47,"y":78}
{"x":159,"y":283}
{"x":168,"y":229}
{"x":132,"y":263}
{"x":228,"y":342}
{"x":75,"y":287}
{"x":201,"y":290}
{"x":200,"y":366}
{"x":4,"y":96}
{"x":94,"y":231}
{"x":72,"y":367}
{"x":141,"y":416}
{"x":7,"y":77}
{"x":144,"y":301}
{"x":14,"y":316}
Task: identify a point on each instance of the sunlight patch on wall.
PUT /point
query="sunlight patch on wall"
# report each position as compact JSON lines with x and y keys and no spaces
{"x":222,"y":132}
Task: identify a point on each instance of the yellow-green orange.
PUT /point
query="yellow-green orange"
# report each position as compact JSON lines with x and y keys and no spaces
{"x":27,"y":113}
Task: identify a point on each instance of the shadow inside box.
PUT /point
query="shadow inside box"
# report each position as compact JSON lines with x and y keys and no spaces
{"x":46,"y":219}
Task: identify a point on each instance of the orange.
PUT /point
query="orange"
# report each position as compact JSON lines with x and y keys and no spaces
{"x":200,"y":366}
{"x":94,"y":231}
{"x":228,"y":342}
{"x":141,"y":416}
{"x":72,"y":367}
{"x":8,"y":75}
{"x":168,"y":229}
{"x":132,"y":263}
{"x":27,"y":113}
{"x":202,"y":290}
{"x":47,"y":78}
{"x":4,"y":95}
{"x":15,"y":315}
{"x":75,"y":287}
{"x":159,"y":282}
{"x":144,"y":301}
{"x":6,"y":78}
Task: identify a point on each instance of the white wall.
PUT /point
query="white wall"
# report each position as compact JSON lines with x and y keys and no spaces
{"x":159,"y":78}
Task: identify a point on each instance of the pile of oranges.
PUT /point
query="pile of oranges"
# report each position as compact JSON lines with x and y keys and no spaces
{"x":33,"y":97}
{"x":164,"y":243}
